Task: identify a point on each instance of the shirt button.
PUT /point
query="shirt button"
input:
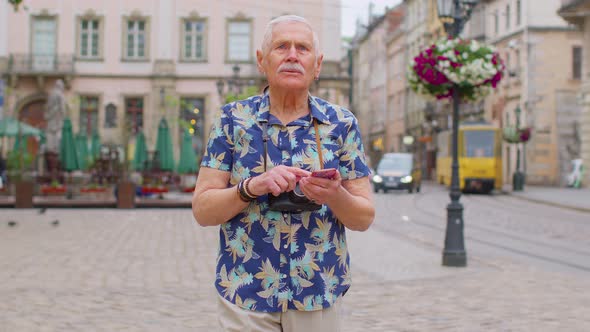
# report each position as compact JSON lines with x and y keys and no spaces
{"x":286,"y":246}
{"x":283,"y":276}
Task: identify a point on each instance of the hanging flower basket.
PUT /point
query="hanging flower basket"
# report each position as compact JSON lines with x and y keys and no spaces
{"x":475,"y":69}
{"x":516,"y":135}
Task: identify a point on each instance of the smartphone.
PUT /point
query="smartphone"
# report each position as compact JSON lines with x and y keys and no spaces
{"x":328,"y":173}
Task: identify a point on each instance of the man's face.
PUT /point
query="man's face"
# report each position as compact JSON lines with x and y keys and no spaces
{"x":290,"y":61}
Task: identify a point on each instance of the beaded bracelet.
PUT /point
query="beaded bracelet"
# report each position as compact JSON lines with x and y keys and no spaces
{"x":247,"y":188}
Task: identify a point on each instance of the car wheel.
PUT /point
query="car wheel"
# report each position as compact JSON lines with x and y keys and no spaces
{"x":410,"y":190}
{"x":375,"y":190}
{"x":385,"y":191}
{"x":419,"y":188}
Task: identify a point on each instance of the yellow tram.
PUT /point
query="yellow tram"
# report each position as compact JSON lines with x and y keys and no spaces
{"x":479,"y":153}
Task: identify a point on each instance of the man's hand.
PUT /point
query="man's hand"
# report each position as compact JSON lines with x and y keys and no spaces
{"x":321,"y":190}
{"x":277,"y":180}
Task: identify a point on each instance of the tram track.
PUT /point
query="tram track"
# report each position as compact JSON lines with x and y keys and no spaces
{"x":510,"y":247}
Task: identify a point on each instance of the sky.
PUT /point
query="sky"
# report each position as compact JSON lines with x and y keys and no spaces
{"x":351,"y":9}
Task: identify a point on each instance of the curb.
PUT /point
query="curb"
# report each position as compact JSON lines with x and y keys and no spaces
{"x":540,"y":201}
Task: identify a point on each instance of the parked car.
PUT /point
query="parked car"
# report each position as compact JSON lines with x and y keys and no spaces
{"x":397,"y":171}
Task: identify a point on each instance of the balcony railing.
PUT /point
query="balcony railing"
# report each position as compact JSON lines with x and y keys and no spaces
{"x":41,"y":64}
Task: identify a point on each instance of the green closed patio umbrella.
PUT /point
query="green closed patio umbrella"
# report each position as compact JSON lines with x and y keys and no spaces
{"x":95,"y":147}
{"x":67,"y":148}
{"x":82,"y":150}
{"x":140,"y":156}
{"x":20,"y":143}
{"x":164,"y":146}
{"x":188,"y":158}
{"x":11,"y":127}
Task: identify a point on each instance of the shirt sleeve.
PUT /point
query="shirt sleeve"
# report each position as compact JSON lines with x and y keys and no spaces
{"x":219,"y":151}
{"x":353,"y":164}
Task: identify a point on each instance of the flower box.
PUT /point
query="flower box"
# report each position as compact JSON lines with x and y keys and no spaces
{"x":93,"y":190}
{"x":53,"y":190}
{"x":188,"y":189}
{"x":153,"y":190}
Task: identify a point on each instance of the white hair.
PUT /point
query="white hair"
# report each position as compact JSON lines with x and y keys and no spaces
{"x":288,"y":18}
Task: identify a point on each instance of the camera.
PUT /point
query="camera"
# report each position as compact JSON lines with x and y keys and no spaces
{"x":292,"y":201}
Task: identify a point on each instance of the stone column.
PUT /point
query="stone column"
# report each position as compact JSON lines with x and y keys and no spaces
{"x":585,"y":116}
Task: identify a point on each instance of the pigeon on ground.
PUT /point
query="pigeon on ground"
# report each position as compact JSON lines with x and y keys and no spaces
{"x":42,"y":210}
{"x":12,"y":223}
{"x":55,"y":223}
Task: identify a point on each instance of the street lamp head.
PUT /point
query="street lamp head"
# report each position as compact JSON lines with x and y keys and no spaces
{"x":445,"y":9}
{"x":220,"y":85}
{"x":470,"y":3}
{"x":162,"y":96}
{"x":236,"y":70}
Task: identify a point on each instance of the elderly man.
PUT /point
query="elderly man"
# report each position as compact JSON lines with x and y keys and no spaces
{"x":283,"y":263}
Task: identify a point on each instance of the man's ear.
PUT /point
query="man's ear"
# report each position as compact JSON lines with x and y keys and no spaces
{"x":259,"y":60}
{"x":319,"y":65}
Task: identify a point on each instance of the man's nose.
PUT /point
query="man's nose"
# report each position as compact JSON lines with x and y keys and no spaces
{"x":292,"y":52}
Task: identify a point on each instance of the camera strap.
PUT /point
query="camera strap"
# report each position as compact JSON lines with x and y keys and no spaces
{"x":317,"y":141}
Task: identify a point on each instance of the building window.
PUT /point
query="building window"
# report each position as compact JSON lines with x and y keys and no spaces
{"x":88,"y":114}
{"x":508,"y":17}
{"x":517,"y":59}
{"x":110,"y":116}
{"x":496,"y":23}
{"x":194,"y":40}
{"x":238,"y":41}
{"x":577,"y":62}
{"x":89,"y":38}
{"x":191,"y":115}
{"x":136,"y":37}
{"x":134,"y":113}
{"x":518,"y":12}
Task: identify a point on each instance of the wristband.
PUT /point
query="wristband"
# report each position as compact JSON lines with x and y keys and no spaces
{"x":242,"y":193}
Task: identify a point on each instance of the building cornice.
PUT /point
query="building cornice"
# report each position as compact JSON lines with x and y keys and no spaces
{"x":530,"y":28}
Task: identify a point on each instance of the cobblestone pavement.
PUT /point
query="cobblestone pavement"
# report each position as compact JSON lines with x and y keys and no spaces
{"x":152,"y":270}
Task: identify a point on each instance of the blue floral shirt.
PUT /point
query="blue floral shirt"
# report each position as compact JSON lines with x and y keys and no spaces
{"x":273,"y":261}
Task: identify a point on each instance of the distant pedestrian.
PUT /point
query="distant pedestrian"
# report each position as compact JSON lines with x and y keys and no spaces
{"x":283,"y":261}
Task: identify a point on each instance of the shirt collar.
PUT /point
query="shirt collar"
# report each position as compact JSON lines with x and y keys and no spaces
{"x":318,"y":110}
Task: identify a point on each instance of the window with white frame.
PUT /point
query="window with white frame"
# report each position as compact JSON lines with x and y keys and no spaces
{"x":88,"y":114}
{"x":89,"y":38}
{"x":194,"y":45}
{"x":508,"y":18}
{"x":518,"y":12}
{"x":136,"y":39}
{"x":238,"y":41}
{"x":577,"y":62}
{"x":496,"y":23}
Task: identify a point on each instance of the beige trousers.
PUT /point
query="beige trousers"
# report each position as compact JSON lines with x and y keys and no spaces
{"x":235,"y":319}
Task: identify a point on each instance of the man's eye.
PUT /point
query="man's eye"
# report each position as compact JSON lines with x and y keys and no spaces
{"x":282,"y":47}
{"x":301,"y":48}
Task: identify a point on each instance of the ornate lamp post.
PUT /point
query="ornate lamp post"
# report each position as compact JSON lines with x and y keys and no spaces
{"x":518,"y":177}
{"x":454,"y":14}
{"x":234,"y":84}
